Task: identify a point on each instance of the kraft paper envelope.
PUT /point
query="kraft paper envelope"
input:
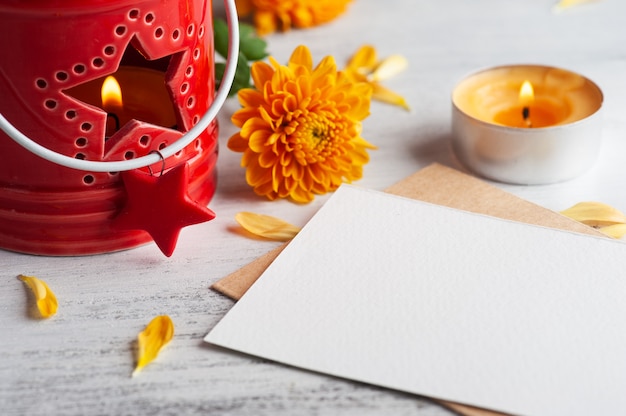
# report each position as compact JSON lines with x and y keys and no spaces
{"x":440,"y":185}
{"x":445,"y":303}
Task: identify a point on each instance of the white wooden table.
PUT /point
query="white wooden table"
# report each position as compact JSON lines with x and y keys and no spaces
{"x":80,"y":361}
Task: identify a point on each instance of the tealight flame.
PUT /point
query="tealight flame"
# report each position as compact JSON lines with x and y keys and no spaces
{"x":111,"y":94}
{"x":526,"y":94}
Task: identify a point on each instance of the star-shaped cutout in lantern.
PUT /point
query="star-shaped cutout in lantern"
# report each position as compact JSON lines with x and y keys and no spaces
{"x":160,"y":205}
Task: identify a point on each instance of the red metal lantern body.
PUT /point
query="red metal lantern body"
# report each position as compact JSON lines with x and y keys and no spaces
{"x":55,"y":55}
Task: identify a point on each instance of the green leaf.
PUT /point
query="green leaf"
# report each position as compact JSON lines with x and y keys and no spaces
{"x":246,"y":30}
{"x":251,"y":48}
{"x":220,"y":37}
{"x":220,"y":68}
{"x":250,"y":44}
{"x":242,"y":75}
{"x":254,"y":49}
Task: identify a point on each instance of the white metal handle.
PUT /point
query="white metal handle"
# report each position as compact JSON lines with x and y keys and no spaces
{"x":149,"y":159}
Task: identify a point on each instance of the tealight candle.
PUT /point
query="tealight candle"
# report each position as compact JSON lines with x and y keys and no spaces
{"x":526,"y":124}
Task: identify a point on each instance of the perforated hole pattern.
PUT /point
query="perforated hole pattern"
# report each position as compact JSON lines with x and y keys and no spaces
{"x":99,"y":63}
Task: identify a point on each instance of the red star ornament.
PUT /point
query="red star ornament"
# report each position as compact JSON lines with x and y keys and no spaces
{"x":160,"y":205}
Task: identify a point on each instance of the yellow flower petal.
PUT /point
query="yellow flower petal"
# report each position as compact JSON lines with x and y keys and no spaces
{"x":271,"y":15}
{"x":150,"y":341}
{"x":364,"y":67}
{"x":564,"y":4}
{"x":244,"y":7}
{"x":363,"y":61}
{"x":385,"y":95}
{"x":595,"y":214}
{"x":615,"y":230}
{"x":46,"y":300}
{"x":389,"y":67}
{"x":267,"y":226}
{"x":301,"y":56}
{"x":301,"y":115}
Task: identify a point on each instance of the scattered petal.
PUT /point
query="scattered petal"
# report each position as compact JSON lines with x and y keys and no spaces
{"x":46,"y":300}
{"x":389,"y":67}
{"x":385,"y":95}
{"x":150,"y":341}
{"x":615,"y":230}
{"x":564,"y":4}
{"x":364,"y":66}
{"x":363,"y":61}
{"x":267,"y":226}
{"x":595,"y":214}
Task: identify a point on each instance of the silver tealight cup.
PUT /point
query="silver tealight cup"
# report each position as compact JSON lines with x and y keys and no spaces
{"x":499,"y":135}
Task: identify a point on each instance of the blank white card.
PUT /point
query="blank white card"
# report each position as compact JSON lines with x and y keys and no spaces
{"x":443,"y":303}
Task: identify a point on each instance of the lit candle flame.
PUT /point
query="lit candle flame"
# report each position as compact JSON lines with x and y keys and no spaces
{"x":111,"y":94}
{"x":526,"y":94}
{"x":526,"y":98}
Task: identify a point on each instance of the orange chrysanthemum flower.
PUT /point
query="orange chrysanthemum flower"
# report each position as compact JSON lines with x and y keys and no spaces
{"x":301,"y":128}
{"x":272,"y":15}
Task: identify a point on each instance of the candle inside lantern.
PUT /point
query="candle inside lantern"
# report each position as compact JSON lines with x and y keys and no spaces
{"x":112,"y":103}
{"x":131,"y":93}
{"x":526,"y":124}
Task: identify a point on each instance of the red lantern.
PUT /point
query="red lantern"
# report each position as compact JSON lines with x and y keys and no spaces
{"x":56,"y":55}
